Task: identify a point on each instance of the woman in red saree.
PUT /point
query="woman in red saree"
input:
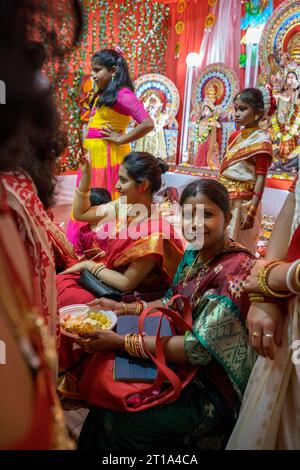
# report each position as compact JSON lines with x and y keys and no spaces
{"x":212,"y":275}
{"x":32,"y":356}
{"x":142,"y":252}
{"x":30,"y":414}
{"x":32,"y":220}
{"x":245,"y":165}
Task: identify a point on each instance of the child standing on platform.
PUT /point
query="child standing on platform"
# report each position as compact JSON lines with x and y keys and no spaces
{"x":245,"y":165}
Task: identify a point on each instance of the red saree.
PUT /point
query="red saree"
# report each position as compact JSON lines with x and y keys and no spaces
{"x":156,"y":239}
{"x":32,"y":222}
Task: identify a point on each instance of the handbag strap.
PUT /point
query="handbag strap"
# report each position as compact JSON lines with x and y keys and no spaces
{"x":183,"y":323}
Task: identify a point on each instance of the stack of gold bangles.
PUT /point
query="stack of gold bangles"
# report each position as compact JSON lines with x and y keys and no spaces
{"x":266,"y":294}
{"x":133,"y":344}
{"x":140,"y":306}
{"x":252,"y":211}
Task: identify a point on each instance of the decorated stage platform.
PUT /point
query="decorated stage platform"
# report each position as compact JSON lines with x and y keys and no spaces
{"x":179,"y":176}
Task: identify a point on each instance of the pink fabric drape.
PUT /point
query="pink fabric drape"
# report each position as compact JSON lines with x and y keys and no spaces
{"x":222,"y":43}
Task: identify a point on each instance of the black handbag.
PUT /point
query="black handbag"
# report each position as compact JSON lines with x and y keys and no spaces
{"x":98,"y":288}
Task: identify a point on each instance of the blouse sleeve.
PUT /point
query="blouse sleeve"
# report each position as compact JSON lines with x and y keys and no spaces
{"x":262,"y":163}
{"x":127,"y":103}
{"x":233,"y":136}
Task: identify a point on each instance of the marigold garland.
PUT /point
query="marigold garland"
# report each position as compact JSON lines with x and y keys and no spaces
{"x":181,"y":6}
{"x":179,"y":27}
{"x":209,"y":21}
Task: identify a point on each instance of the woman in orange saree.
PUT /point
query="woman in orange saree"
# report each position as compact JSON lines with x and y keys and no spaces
{"x":142,"y":252}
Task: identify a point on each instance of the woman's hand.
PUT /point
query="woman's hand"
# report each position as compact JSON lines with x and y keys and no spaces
{"x":110,"y":134}
{"x":251,"y":284}
{"x":107,"y":304}
{"x":265,"y":324}
{"x":85,"y":162}
{"x":79,"y":267}
{"x":101,"y":340}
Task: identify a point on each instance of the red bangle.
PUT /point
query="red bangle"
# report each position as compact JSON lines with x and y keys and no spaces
{"x":258,"y":195}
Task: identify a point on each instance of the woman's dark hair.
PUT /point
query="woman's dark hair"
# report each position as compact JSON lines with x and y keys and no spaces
{"x":253,"y":97}
{"x":212,"y":189}
{"x":143,"y":165}
{"x":99,"y":196}
{"x":36,"y":53}
{"x":40,"y":160}
{"x":18,"y":19}
{"x":111,"y":58}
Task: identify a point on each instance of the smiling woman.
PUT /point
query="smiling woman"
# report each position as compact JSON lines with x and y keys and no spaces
{"x":146,"y":261}
{"x":212,"y":278}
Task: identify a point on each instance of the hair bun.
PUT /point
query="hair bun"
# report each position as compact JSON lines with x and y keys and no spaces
{"x":163,"y":166}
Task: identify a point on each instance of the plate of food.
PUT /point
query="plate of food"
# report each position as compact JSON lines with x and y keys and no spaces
{"x":80,"y":318}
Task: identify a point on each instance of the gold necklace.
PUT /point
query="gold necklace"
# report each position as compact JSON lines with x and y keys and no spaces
{"x":247,"y":131}
{"x":202,"y":269}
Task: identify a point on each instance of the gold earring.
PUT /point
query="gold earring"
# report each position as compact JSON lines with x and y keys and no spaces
{"x":256,"y":118}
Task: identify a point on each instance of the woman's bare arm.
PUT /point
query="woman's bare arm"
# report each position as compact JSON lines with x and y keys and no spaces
{"x":131,"y":278}
{"x":281,"y":233}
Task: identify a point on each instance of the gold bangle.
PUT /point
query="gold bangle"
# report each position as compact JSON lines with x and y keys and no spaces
{"x":263,"y":284}
{"x":255,"y":297}
{"x":124,"y":308}
{"x":297,"y":276}
{"x":138,"y":308}
{"x":83,"y":193}
{"x":96,"y":267}
{"x":252,"y":210}
{"x":97,"y":271}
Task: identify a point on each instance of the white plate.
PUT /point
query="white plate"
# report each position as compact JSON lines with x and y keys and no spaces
{"x":81,"y":311}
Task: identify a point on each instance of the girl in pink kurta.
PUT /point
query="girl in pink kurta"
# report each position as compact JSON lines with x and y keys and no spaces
{"x":113,"y":107}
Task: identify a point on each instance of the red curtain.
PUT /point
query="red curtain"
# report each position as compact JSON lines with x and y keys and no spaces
{"x":190,"y":40}
{"x":276,"y":3}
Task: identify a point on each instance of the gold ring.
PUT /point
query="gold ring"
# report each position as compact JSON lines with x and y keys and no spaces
{"x":255,"y":334}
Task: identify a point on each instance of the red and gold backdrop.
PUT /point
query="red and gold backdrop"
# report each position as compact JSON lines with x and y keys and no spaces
{"x":156,"y":37}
